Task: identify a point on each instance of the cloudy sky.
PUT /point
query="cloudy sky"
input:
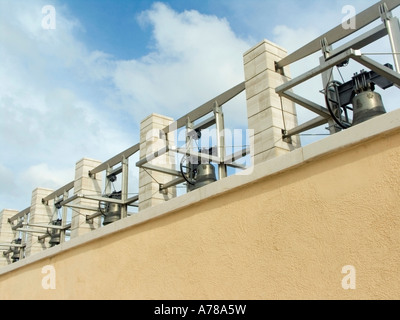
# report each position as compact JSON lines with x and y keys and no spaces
{"x":81,"y":89}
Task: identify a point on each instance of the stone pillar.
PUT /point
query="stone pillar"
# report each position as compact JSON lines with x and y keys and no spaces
{"x":151,"y":140}
{"x":267,"y":116}
{"x":39,"y":214}
{"x":7,"y":235}
{"x":89,"y":186}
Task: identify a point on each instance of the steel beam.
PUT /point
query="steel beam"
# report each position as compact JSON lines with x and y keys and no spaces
{"x":162,"y":170}
{"x":115,"y":160}
{"x":18,"y":225}
{"x":93,"y":216}
{"x":73,"y":206}
{"x":380,"y":69}
{"x":362,"y":20}
{"x":206,"y":108}
{"x":205,"y":124}
{"x":153,"y":156}
{"x":19,"y":215}
{"x":318,"y":70}
{"x":114,"y":172}
{"x":95,"y":198}
{"x":172,"y":183}
{"x":12,"y":245}
{"x":131,"y":200}
{"x":31,"y":231}
{"x":237,"y":155}
{"x":314,"y":123}
{"x":58,"y":192}
{"x":199,"y":155}
{"x":308,"y":104}
{"x":68,"y":226}
{"x":361,"y":41}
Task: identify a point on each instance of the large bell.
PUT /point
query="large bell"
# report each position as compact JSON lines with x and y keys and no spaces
{"x":55,"y":234}
{"x":113,"y":213}
{"x":112,"y":210}
{"x":367,"y":105}
{"x":204,"y":176}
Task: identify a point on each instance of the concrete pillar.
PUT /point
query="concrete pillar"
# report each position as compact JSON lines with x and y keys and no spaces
{"x":90,"y":186}
{"x":6,"y":234}
{"x":267,"y":116}
{"x":151,"y":141}
{"x":39,"y":214}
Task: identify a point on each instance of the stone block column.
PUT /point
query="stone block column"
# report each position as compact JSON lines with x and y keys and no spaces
{"x":89,"y":186}
{"x":152,"y":140}
{"x":267,"y":114}
{"x":7,"y":235}
{"x":39,"y":214}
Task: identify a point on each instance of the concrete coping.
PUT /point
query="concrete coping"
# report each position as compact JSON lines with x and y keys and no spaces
{"x":380,"y":126}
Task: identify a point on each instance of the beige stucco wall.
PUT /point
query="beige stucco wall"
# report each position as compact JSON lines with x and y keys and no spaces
{"x":284,"y":235}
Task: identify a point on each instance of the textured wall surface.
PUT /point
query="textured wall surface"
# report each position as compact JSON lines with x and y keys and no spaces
{"x":286,"y":236}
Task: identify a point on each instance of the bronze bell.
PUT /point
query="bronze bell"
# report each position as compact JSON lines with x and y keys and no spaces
{"x":112,"y":210}
{"x":55,"y":234}
{"x":367,"y":105}
{"x":205,"y":174}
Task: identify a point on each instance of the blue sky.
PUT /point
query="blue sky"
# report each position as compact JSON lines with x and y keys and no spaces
{"x":82,"y":89}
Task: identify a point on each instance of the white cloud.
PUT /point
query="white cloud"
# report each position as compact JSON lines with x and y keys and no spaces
{"x":62,"y":102}
{"x":46,"y":177}
{"x":193,"y":58}
{"x":52,"y":102}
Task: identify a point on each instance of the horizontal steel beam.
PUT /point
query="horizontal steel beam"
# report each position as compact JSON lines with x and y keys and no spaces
{"x":116,"y":159}
{"x":361,"y":41}
{"x":236,"y":165}
{"x":314,"y":123}
{"x":18,"y":225}
{"x":12,"y":245}
{"x":104,"y":199}
{"x":172,"y":183}
{"x":205,"y":124}
{"x":380,"y":69}
{"x":206,"y":108}
{"x":40,"y":238}
{"x":6,"y":253}
{"x":152,"y":156}
{"x":93,"y":216}
{"x":31,"y":231}
{"x":362,"y":20}
{"x":59,"y":192}
{"x":308,"y":104}
{"x":70,"y":199}
{"x":318,"y":70}
{"x":75,"y":206}
{"x":199,"y":155}
{"x":131,"y":200}
{"x":19,"y":215}
{"x":114,"y":172}
{"x":67,"y":226}
{"x":162,"y":170}
{"x":230,"y":159}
